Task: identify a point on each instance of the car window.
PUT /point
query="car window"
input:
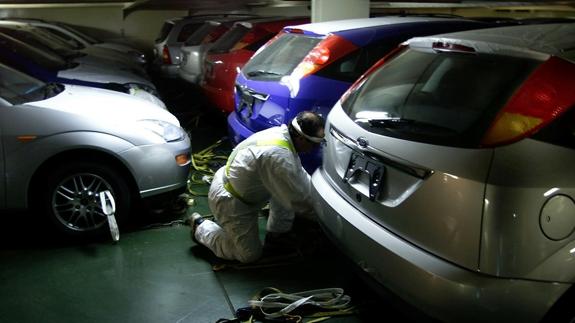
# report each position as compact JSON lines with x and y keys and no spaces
{"x":260,"y":42}
{"x":229,"y":39}
{"x":280,"y":57}
{"x":187,"y":30}
{"x":198,"y":36}
{"x":447,"y":98}
{"x":350,"y":67}
{"x":164,"y":31}
{"x":18,"y":88}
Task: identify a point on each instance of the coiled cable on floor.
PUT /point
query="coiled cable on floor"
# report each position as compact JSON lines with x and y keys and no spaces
{"x":204,"y":165}
{"x":326,"y":302}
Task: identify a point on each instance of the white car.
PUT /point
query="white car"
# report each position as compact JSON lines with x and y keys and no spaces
{"x":63,"y":145}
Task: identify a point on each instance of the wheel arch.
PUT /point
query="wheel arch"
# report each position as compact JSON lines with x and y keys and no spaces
{"x":82,"y":154}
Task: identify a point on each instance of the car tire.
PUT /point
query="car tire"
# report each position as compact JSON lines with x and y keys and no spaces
{"x":70,"y":197}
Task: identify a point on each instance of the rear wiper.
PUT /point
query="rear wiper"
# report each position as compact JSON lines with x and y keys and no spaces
{"x":390,"y":122}
{"x":262,"y":72}
{"x":410,"y":125}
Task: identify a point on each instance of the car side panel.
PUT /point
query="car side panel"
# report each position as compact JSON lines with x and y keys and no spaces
{"x":525,"y":176}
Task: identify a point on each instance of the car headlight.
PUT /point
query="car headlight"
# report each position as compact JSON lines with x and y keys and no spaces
{"x":164,"y":129}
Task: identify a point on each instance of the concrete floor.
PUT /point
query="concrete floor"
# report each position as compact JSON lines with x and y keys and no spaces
{"x":155,"y":273}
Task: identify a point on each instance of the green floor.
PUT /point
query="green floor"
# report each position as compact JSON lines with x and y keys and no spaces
{"x":155,"y":273}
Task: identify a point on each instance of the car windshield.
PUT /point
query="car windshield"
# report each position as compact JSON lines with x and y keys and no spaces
{"x":230,"y":38}
{"x":80,"y":35}
{"x":42,"y":40}
{"x":19,"y":88}
{"x":280,"y":57}
{"x":439,"y":98}
{"x":70,"y":40}
{"x":15,"y":52}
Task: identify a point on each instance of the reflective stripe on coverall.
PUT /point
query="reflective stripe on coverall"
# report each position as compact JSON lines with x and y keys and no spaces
{"x":257,"y":173}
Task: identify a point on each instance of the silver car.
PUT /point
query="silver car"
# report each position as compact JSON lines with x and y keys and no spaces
{"x":173,"y":34}
{"x":447,"y":174}
{"x":197,"y":45}
{"x":62,"y":145}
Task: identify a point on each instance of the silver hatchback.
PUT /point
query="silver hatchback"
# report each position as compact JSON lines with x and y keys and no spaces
{"x":447,"y":174}
{"x":63,"y":145}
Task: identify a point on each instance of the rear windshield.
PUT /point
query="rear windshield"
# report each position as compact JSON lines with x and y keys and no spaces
{"x":188,"y":30}
{"x":229,"y":39}
{"x":448,"y":99}
{"x":165,"y":31}
{"x":198,"y":36}
{"x":280,"y":57}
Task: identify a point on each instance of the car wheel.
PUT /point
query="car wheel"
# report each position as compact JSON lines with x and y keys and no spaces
{"x":71,"y":197}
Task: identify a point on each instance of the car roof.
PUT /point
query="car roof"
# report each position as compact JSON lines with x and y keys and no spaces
{"x":324,"y":28}
{"x":522,"y":40}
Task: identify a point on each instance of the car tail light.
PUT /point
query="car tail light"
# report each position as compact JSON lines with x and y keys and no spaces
{"x":372,"y":69}
{"x":544,"y":96}
{"x":166,"y":55}
{"x":327,"y":51}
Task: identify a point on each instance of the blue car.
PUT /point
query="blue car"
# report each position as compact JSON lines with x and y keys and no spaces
{"x":308,"y":67}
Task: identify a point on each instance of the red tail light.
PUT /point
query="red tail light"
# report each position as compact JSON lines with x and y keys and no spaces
{"x":166,"y":55}
{"x":372,"y":69}
{"x":547,"y":93}
{"x":327,"y":51}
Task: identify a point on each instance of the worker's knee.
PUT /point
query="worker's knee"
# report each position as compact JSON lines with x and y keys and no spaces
{"x":249,"y":256}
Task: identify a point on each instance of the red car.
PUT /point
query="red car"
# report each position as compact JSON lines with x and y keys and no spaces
{"x":230,"y":52}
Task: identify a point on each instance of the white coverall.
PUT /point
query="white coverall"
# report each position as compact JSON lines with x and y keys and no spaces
{"x":260,"y":172}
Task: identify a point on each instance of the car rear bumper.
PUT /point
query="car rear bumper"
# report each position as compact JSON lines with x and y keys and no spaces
{"x":237,"y":131}
{"x":221,"y":99}
{"x":439,"y":288}
{"x":189,"y":77}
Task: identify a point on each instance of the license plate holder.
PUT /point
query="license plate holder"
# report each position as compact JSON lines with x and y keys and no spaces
{"x":360,"y":163}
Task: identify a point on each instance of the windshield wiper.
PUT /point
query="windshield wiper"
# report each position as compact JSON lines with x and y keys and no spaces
{"x":409,"y":125}
{"x":51,"y":89}
{"x":262,"y":72}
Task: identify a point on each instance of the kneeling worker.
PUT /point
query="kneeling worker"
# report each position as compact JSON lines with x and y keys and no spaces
{"x":263,"y":168}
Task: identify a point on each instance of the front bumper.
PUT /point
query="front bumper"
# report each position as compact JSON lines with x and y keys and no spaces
{"x":439,"y":288}
{"x":155,"y":168}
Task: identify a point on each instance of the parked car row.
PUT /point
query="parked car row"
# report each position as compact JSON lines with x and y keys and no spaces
{"x":82,"y":129}
{"x":446,"y":172}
